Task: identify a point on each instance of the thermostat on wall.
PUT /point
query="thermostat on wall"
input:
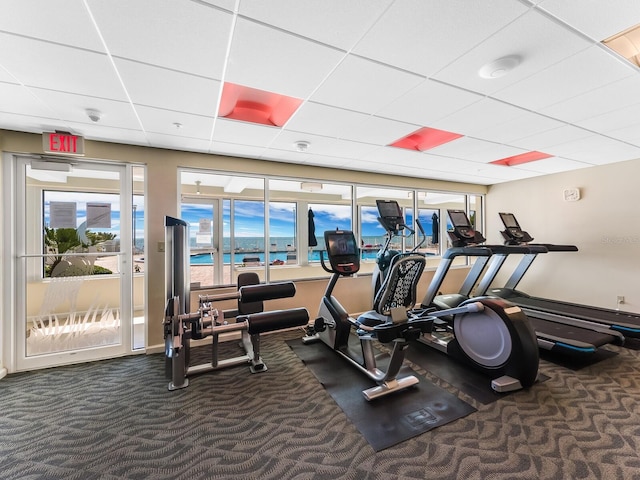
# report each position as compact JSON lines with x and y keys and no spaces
{"x":571,"y":194}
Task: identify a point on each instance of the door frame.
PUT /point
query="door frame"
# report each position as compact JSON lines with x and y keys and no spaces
{"x":15,"y":275}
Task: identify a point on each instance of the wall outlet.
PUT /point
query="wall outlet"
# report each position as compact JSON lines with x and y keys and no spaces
{"x":620,"y":299}
{"x":161,"y":248}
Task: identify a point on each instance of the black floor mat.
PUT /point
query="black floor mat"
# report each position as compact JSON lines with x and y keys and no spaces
{"x":475,"y":384}
{"x":388,"y":420}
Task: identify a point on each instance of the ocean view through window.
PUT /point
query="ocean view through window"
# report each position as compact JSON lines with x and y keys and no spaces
{"x":275,"y":227}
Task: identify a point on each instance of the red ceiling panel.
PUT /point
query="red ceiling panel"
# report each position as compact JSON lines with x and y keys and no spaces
{"x":522,"y":158}
{"x":425,"y":138}
{"x":256,"y":106}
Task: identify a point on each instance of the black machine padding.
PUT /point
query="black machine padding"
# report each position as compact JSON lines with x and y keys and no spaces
{"x":245,"y":308}
{"x":276,"y":320}
{"x":271,"y":291}
{"x":399,"y":287}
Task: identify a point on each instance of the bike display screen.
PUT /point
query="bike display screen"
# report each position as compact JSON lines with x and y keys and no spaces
{"x":342,"y":250}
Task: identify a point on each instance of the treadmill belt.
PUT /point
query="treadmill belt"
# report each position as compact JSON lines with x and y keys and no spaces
{"x":583,"y":312}
{"x":568,"y":332}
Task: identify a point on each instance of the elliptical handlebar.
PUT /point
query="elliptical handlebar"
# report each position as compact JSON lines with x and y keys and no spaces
{"x":324,"y":265}
{"x":422,"y":234}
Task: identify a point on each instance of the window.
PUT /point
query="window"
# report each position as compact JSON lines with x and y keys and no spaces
{"x":80,"y":222}
{"x":231,"y":230}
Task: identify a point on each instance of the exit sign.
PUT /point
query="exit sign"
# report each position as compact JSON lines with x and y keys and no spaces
{"x":62,"y":143}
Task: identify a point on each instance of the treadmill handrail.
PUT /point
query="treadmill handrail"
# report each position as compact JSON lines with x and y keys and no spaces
{"x":477,"y":251}
{"x":552,"y":247}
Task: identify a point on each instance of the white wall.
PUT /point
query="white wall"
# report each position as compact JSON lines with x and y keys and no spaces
{"x":604,"y":224}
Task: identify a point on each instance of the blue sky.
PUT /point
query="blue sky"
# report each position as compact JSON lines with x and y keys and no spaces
{"x":249,"y":218}
{"x":82,"y":198}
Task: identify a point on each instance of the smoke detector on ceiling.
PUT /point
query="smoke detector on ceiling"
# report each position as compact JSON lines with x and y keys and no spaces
{"x":302,"y":146}
{"x":499,"y":67}
{"x":93,"y":114}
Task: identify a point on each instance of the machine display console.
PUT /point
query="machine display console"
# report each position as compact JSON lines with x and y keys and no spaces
{"x":513,"y":233}
{"x":391,"y":215}
{"x":343,"y":251}
{"x":463,"y":232}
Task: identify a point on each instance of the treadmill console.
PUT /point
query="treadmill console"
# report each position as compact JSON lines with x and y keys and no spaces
{"x":391,"y":216}
{"x":463,"y":233}
{"x":513,"y":234}
{"x":344,"y":255}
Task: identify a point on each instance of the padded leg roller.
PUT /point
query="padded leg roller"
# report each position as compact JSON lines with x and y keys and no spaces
{"x":258,"y":293}
{"x":276,"y":320}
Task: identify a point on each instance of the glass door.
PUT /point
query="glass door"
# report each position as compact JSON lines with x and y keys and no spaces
{"x":74,"y":261}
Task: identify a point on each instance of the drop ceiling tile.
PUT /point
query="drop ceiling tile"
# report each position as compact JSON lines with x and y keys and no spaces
{"x":394,"y":158}
{"x":228,"y":5}
{"x":506,"y":174}
{"x":6,"y":77}
{"x":323,"y":119}
{"x":326,"y":161}
{"x":447,"y":164}
{"x":104,"y":133}
{"x":289,"y":65}
{"x":597,"y":19}
{"x":475,"y":150}
{"x":235,"y":149}
{"x":428,"y":102}
{"x":27,"y":123}
{"x":538,"y":42}
{"x":74,"y":109}
{"x":629,"y":115}
{"x":67,"y":23}
{"x":596,"y":150}
{"x":348,"y":21}
{"x":185,"y":36}
{"x":629,"y":134}
{"x":320,"y":145}
{"x":553,"y":165}
{"x":585,"y":71}
{"x":375,"y":130}
{"x":160,"y":121}
{"x":251,"y":134}
{"x":304,"y":158}
{"x":77,"y":71}
{"x":22,"y":101}
{"x":599,"y":101}
{"x":364,"y":86}
{"x":334,"y":122}
{"x":548,"y":138}
{"x":479,"y":116}
{"x":417,"y":36}
{"x":527,"y":124}
{"x":174,"y":142}
{"x":168,"y":89}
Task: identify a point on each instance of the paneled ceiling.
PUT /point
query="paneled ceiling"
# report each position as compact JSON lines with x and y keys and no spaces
{"x":356,"y":76}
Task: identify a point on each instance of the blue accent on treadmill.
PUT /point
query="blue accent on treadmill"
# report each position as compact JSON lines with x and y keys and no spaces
{"x":625,"y":329}
{"x":577,"y":349}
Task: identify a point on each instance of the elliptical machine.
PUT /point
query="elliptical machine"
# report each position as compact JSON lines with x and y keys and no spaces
{"x":498,"y":341}
{"x":392,"y":220}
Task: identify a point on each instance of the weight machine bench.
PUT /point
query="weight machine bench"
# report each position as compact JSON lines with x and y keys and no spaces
{"x":207,"y":321}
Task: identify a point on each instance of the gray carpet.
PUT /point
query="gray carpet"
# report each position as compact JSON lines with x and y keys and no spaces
{"x":117,"y":420}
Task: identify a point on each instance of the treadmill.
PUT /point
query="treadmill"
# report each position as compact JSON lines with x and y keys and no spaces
{"x":625,"y":323}
{"x":572,"y":339}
